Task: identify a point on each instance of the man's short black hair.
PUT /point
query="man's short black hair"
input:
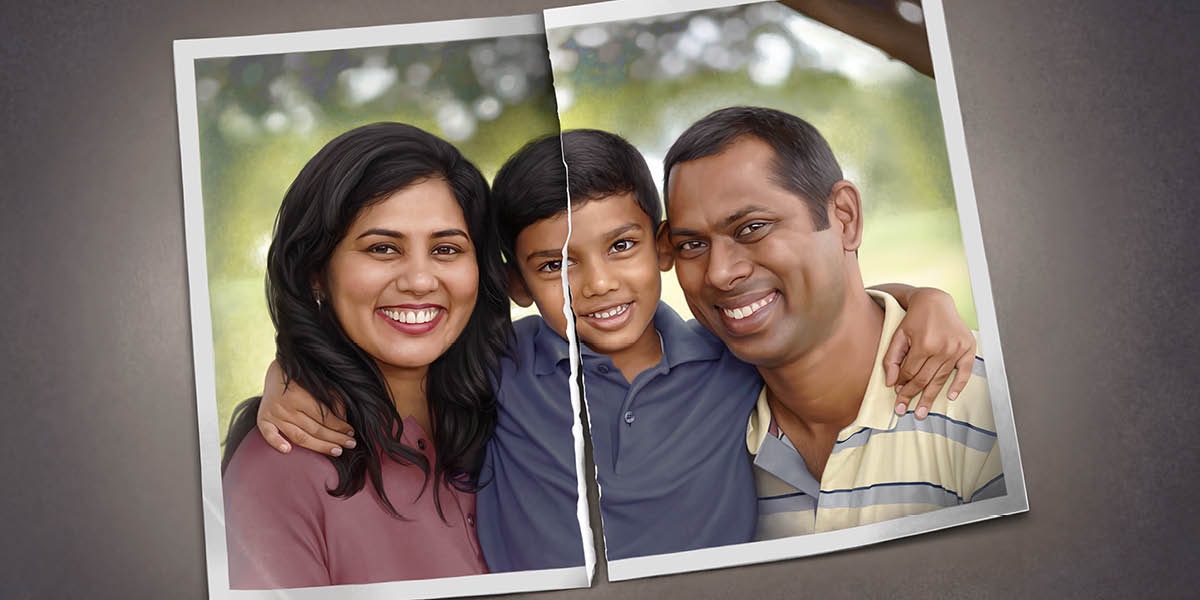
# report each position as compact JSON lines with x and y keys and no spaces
{"x":529,"y":187}
{"x":804,"y":163}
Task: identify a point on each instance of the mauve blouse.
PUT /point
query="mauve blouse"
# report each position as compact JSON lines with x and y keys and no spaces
{"x":284,"y":530}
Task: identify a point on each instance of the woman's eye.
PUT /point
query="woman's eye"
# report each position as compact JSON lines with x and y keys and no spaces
{"x":383,"y":249}
{"x":621,"y":246}
{"x":447,"y":250}
{"x":552,"y":266}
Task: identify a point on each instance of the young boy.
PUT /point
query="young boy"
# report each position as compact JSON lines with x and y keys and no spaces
{"x":667,"y":402}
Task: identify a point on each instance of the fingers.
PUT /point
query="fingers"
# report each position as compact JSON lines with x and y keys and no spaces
{"x":915,"y":375}
{"x":894,"y":356}
{"x":334,"y":422}
{"x":303,"y":438}
{"x":964,"y":366}
{"x":271,"y":434}
{"x":940,"y":374}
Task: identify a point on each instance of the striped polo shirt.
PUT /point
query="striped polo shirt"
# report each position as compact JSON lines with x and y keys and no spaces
{"x":883,"y":466}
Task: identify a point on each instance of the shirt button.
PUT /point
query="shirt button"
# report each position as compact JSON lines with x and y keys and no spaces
{"x":470,"y":519}
{"x":603,"y":369}
{"x":421,"y":444}
{"x":629,"y":417}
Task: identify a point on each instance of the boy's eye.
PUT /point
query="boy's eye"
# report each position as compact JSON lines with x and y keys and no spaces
{"x":752,"y":228}
{"x":621,"y":246}
{"x":690,"y":248}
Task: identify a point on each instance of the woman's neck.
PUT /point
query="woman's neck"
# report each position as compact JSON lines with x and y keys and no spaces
{"x":407,"y":387}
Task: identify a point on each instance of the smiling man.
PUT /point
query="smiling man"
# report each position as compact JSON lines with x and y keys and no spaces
{"x":765,"y":236}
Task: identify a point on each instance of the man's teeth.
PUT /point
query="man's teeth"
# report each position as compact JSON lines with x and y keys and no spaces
{"x":608,"y":314}
{"x":746,"y":311}
{"x":412,"y":317}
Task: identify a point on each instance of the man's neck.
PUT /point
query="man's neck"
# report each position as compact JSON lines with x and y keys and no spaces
{"x":814,"y":397}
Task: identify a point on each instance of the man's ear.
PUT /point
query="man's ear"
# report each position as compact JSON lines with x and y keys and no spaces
{"x":666,"y":256}
{"x":845,"y":207}
{"x":517,"y":290}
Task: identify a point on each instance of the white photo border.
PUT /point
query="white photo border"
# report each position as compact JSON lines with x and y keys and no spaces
{"x":1016,"y":500}
{"x":216,"y":552}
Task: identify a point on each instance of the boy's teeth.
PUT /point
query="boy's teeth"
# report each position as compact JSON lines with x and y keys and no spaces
{"x":746,"y":311}
{"x":607,"y":314}
{"x":411,"y":317}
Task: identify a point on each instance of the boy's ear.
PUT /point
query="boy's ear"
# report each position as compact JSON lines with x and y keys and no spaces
{"x":845,"y":208}
{"x":517,"y":290}
{"x":666,"y":258}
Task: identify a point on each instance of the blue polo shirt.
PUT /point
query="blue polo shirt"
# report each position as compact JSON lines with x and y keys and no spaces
{"x":669,"y":448}
{"x":527,"y":509}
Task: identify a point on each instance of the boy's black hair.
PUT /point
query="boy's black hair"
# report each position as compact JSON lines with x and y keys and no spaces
{"x":529,"y":187}
{"x":804,"y":163}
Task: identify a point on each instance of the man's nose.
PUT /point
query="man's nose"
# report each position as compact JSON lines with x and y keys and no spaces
{"x":727,"y":264}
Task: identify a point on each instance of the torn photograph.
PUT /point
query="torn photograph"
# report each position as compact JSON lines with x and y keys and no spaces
{"x":787,"y":335}
{"x":381,"y":410}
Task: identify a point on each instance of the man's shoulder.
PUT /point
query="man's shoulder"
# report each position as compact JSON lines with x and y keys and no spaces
{"x":973,"y":405}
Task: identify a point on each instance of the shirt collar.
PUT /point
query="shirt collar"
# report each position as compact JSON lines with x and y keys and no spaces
{"x":549,"y":349}
{"x":877,"y":410}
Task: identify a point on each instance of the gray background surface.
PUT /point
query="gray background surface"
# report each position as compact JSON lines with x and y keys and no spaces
{"x":1082,"y":126}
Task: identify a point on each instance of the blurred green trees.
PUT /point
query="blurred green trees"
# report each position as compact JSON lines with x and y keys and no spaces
{"x":262,"y":117}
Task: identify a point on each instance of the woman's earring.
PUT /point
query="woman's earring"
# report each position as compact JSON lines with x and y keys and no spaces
{"x":317,"y":297}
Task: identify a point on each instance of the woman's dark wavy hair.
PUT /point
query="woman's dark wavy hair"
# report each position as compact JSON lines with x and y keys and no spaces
{"x":355,"y":170}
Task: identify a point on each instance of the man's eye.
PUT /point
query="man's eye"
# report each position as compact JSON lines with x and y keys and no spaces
{"x":690,"y":248}
{"x":621,"y":246}
{"x":751,"y":228}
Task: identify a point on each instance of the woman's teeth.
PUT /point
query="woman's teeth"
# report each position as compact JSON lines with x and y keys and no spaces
{"x":412,"y":317}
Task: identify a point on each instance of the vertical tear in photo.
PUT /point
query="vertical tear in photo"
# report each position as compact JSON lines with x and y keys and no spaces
{"x":786,"y":329}
{"x":392,"y":416}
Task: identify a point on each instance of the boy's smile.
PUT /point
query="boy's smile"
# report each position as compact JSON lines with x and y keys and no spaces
{"x":613,"y":272}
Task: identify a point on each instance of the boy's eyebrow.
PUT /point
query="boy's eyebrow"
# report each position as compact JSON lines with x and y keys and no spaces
{"x":551,"y":253}
{"x":626,"y":228}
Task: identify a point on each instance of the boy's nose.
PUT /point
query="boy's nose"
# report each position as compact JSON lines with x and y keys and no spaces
{"x":596,"y":280}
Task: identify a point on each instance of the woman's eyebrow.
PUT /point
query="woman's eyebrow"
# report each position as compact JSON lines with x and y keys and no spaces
{"x":380,"y":231}
{"x":392,"y":233}
{"x":450,"y":233}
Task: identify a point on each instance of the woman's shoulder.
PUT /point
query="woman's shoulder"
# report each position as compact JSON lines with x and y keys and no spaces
{"x":256,"y":464}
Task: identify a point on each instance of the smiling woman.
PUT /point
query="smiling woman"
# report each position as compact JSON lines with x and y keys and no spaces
{"x":384,"y":284}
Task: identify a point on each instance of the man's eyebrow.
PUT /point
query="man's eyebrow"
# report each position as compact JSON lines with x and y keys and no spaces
{"x":739,"y":215}
{"x":626,"y":228}
{"x":681,"y":232}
